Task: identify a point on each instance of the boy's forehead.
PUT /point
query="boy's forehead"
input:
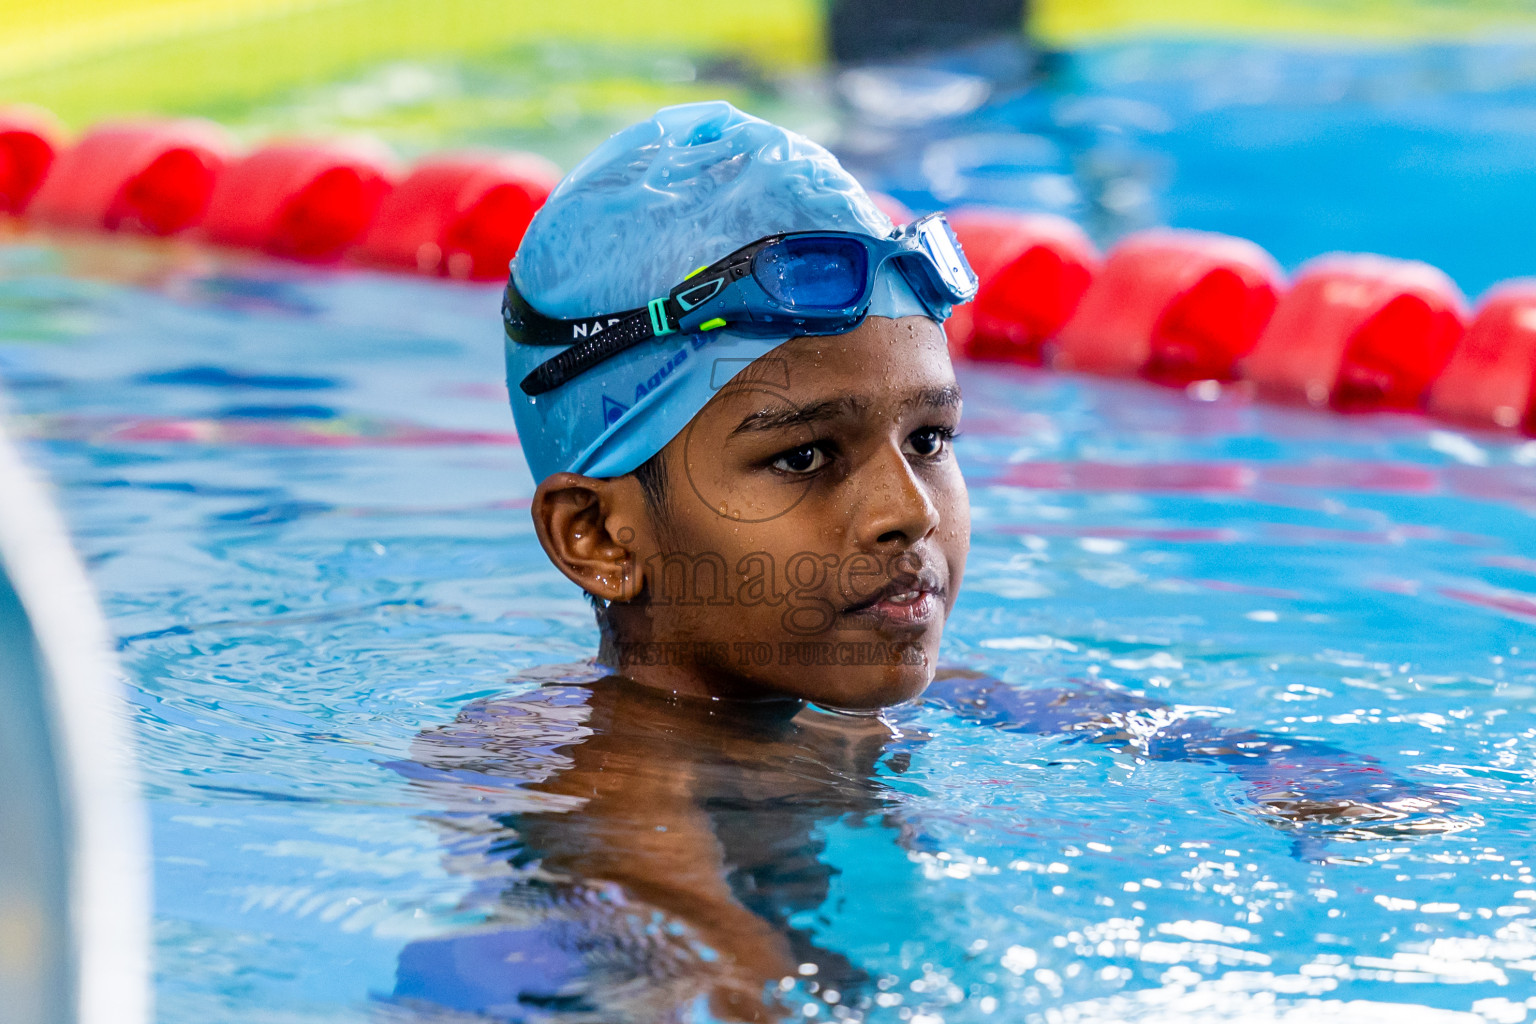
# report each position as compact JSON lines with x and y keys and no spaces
{"x":880,"y":364}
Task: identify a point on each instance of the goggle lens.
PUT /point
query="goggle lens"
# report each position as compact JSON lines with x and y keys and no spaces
{"x":816,"y":273}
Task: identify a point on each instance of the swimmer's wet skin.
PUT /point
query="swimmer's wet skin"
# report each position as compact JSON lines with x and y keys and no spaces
{"x":773,"y":529}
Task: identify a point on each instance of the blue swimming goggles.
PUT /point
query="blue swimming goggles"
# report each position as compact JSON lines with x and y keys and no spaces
{"x":804,"y":282}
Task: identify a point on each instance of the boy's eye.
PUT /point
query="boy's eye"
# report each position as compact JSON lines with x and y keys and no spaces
{"x":928,"y":442}
{"x":806,"y":459}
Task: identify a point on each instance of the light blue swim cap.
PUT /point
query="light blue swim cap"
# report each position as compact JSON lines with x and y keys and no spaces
{"x":653,"y":203}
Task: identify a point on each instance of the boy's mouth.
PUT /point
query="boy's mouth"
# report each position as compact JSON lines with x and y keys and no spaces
{"x":910,"y":600}
{"x":910,"y":607}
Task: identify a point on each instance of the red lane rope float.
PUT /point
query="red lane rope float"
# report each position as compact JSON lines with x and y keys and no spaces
{"x":459,"y":216}
{"x":1491,"y":377}
{"x":28,"y":146}
{"x":150,"y":176}
{"x":1355,"y":331}
{"x":1034,"y":269}
{"x":305,"y":201}
{"x":1173,"y":307}
{"x":1359,"y":332}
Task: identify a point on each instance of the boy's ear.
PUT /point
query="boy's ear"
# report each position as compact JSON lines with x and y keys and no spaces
{"x":588,"y":528}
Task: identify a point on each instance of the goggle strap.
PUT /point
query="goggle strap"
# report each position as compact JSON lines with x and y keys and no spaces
{"x":631,"y":330}
{"x":591,"y":340}
{"x":527,"y":326}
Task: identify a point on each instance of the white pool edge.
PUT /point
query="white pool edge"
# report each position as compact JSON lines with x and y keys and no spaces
{"x":109,"y":875}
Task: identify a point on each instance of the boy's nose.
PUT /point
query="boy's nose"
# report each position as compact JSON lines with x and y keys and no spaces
{"x":896,"y":510}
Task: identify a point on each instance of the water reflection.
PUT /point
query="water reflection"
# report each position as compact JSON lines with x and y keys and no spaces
{"x":637,"y":855}
{"x":636,"y":851}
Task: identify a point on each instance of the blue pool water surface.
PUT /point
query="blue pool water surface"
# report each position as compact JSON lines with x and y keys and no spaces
{"x":299,"y":496}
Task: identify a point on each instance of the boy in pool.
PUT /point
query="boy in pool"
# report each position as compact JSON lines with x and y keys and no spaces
{"x":751,"y":476}
{"x":732,"y":385}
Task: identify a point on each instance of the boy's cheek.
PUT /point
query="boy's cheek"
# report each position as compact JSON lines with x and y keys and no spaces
{"x":957,"y":523}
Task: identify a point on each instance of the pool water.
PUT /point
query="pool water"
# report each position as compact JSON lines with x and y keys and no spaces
{"x":298,"y":495}
{"x":300,"y":498}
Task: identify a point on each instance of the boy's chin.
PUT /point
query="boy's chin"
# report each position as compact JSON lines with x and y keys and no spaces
{"x":863,"y":688}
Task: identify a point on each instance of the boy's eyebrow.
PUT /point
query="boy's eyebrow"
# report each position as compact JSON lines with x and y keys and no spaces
{"x":947,"y":397}
{"x":777,"y":419}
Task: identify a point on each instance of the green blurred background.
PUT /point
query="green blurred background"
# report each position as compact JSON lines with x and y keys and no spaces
{"x":549,"y":77}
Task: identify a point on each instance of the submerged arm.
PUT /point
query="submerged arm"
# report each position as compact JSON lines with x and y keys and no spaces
{"x":1295,"y":783}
